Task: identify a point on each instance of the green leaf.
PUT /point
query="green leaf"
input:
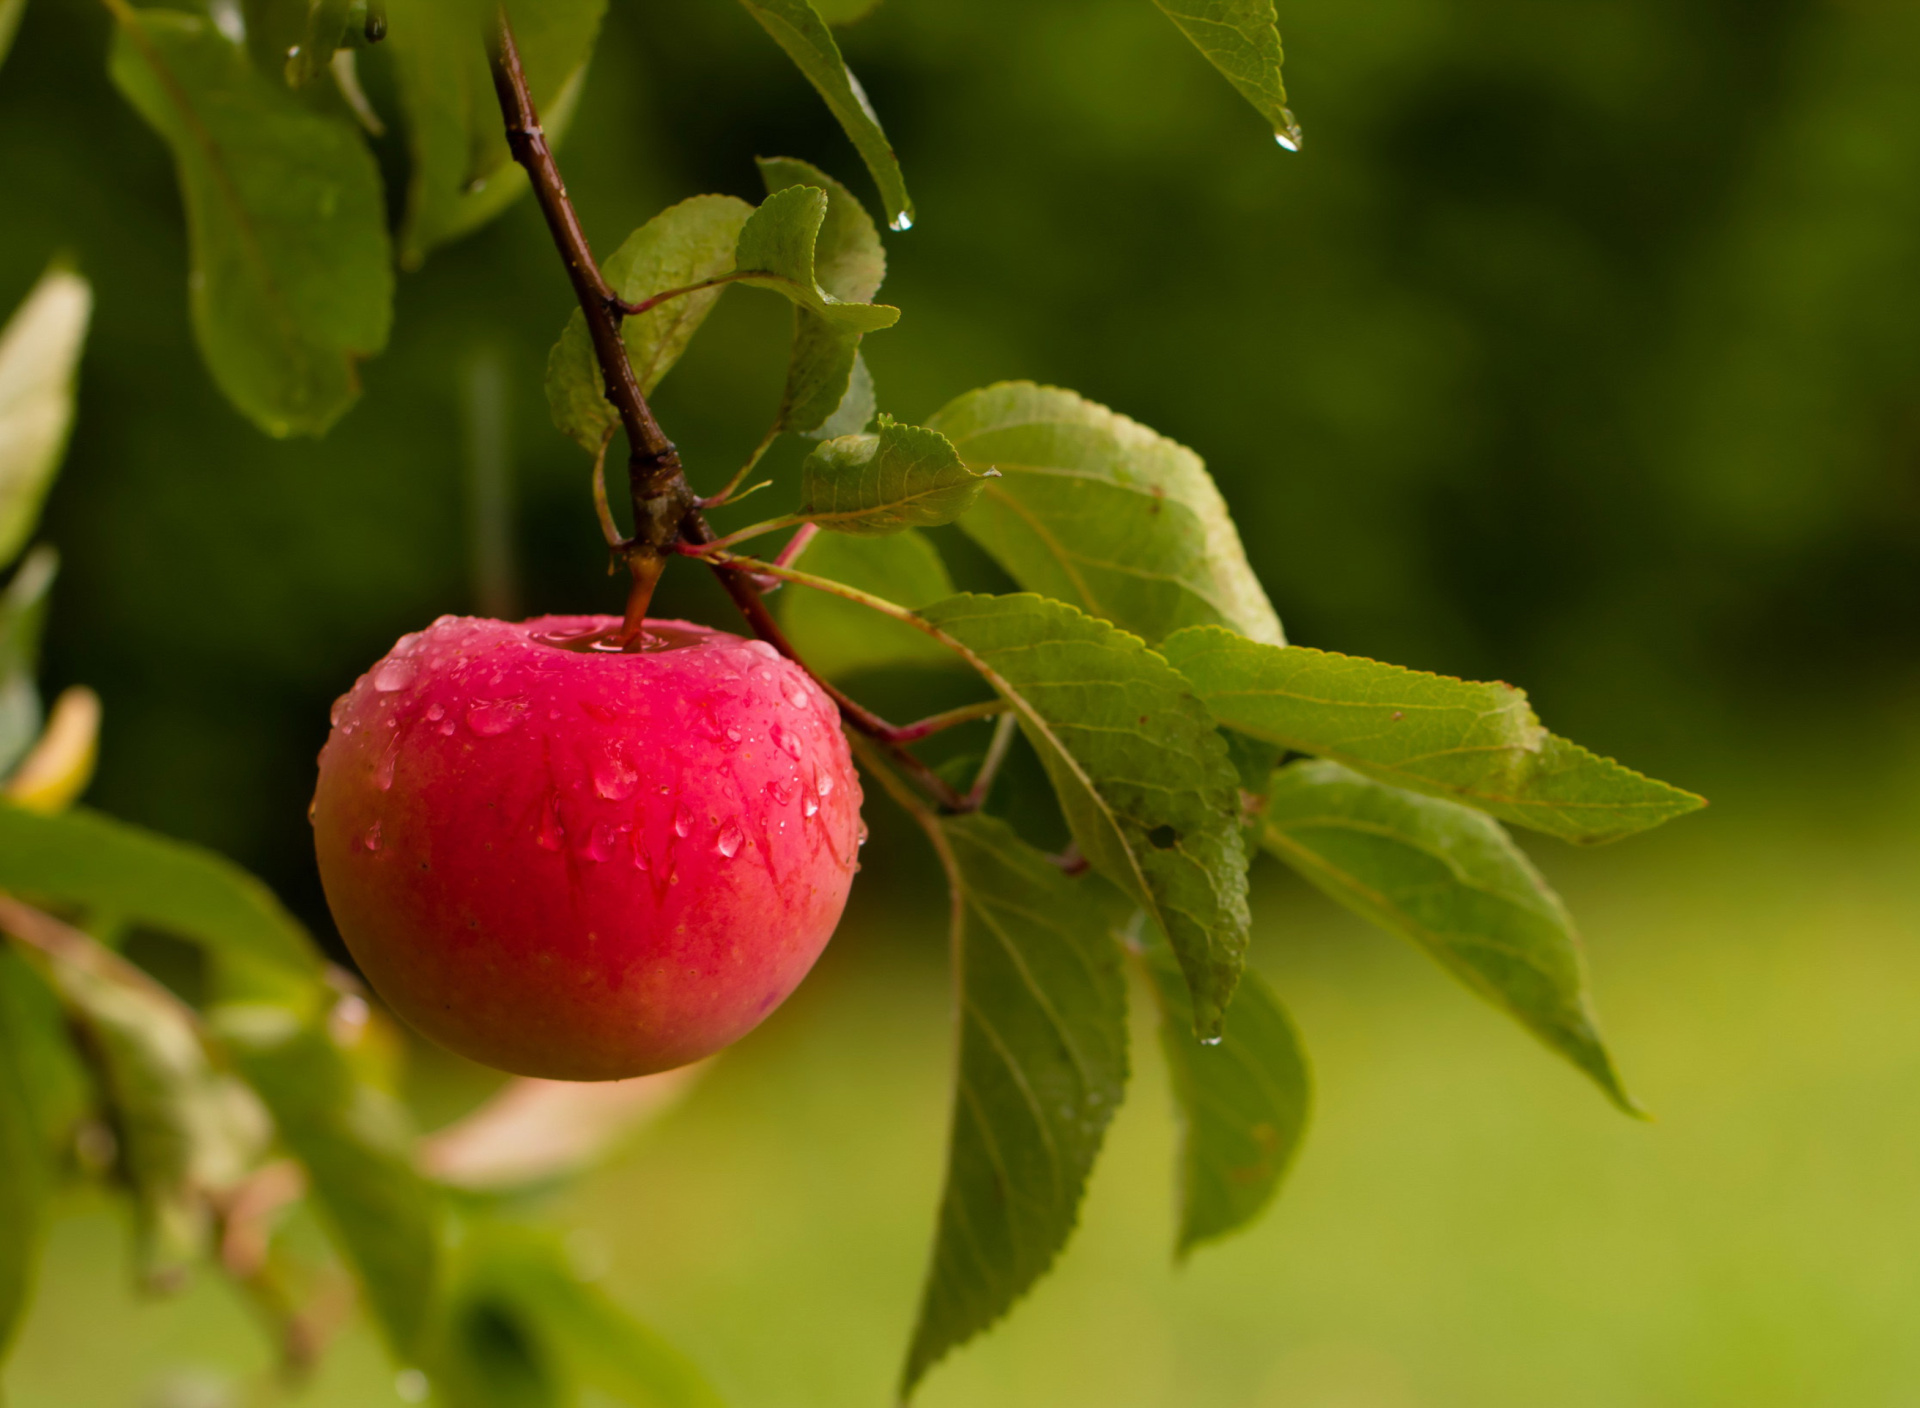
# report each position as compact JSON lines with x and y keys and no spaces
{"x":37,"y":1068}
{"x":1452,"y":881}
{"x":1142,"y":775}
{"x":684,"y":244}
{"x":1241,"y":38}
{"x":39,"y":352}
{"x":825,"y":370}
{"x":1043,"y":1066}
{"x":845,"y":11}
{"x":840,"y":638}
{"x":80,"y":857}
{"x":324,"y":30}
{"x":356,"y":1144}
{"x":778,"y":249}
{"x":292,"y":280}
{"x":1097,"y":510}
{"x":10,"y":13}
{"x":522,"y":1318}
{"x":796,"y":26}
{"x":1242,"y":1102}
{"x":905,"y":476}
{"x":1471,"y":742}
{"x":463,"y":175}
{"x":23,"y":615}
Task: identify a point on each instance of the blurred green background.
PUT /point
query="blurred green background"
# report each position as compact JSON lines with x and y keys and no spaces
{"x":1580,"y":348}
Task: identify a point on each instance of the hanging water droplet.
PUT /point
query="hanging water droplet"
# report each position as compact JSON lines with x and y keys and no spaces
{"x":394,"y":674}
{"x":613,"y":778}
{"x":312,"y":807}
{"x":682,"y":821}
{"x":550,"y":833}
{"x":861,"y":839}
{"x":729,"y":840}
{"x":493,"y":717}
{"x":901,"y":222}
{"x":338,"y":711}
{"x":372,"y":839}
{"x":1214,"y":1040}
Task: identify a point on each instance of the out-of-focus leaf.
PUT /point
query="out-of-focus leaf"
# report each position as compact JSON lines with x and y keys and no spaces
{"x":840,"y":638}
{"x":10,"y":13}
{"x":1142,"y":775}
{"x":796,"y":26}
{"x":1043,"y":1066}
{"x":1097,"y":510}
{"x":292,"y":279}
{"x":1477,"y":743}
{"x":39,"y":351}
{"x":59,"y":766}
{"x":1241,"y":38}
{"x":845,"y":11}
{"x":1242,"y":1102}
{"x":23,"y":615}
{"x":187,"y":1131}
{"x":355,"y":1142}
{"x":905,"y":476}
{"x":684,"y":244}
{"x":463,"y":175}
{"x":122,"y":872}
{"x":326,"y":25}
{"x":1452,"y":881}
{"x":777,"y":250}
{"x":825,"y":373}
{"x":526,"y":1330}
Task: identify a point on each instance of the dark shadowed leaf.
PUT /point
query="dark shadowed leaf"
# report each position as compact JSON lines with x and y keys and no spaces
{"x":684,"y":244}
{"x":39,"y":351}
{"x":845,"y":11}
{"x":1142,"y":775}
{"x":1241,"y":38}
{"x":903,"y":476}
{"x":797,"y":27}
{"x":1477,"y":743}
{"x":355,"y":1142}
{"x":1451,"y":880}
{"x":40,"y":1096}
{"x":840,"y":638}
{"x":23,"y":616}
{"x":12,"y":10}
{"x":1097,"y":510}
{"x":824,"y":370}
{"x":1043,"y":1065}
{"x":462,"y":173}
{"x":1242,"y":1102}
{"x":292,"y":280}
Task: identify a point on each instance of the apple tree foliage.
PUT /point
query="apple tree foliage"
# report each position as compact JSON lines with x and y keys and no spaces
{"x":1139,"y":669}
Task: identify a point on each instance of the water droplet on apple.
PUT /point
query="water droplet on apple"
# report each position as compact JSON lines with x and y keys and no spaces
{"x":312,"y":807}
{"x":372,"y":839}
{"x":613,"y":778}
{"x":603,"y":841}
{"x":338,"y":711}
{"x":640,"y":854}
{"x":446,"y":729}
{"x":383,"y":770}
{"x":733,"y":735}
{"x":729,"y":840}
{"x":760,"y":647}
{"x":436,"y":712}
{"x":796,"y":696}
{"x":781,"y":792}
{"x":492,"y":717}
{"x":823,"y":784}
{"x":810,"y":804}
{"x":784,"y":741}
{"x":550,"y":833}
{"x":682,"y":821}
{"x":392,"y":675}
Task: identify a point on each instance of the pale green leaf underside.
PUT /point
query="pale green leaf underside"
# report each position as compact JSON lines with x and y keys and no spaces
{"x":1097,"y":510}
{"x":39,"y":352}
{"x":1471,"y":742}
{"x":905,"y":476}
{"x":23,"y":615}
{"x":684,"y":244}
{"x":1142,"y":775}
{"x":1043,"y":1065}
{"x":1451,"y":880}
{"x":1242,"y":1103}
{"x":839,"y":638}
{"x":777,"y":250}
{"x":1241,"y":38}
{"x":292,"y":278}
{"x":797,"y":28}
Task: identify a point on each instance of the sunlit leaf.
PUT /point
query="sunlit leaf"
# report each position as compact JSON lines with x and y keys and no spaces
{"x":1097,"y":510}
{"x":23,"y":615}
{"x":777,"y":250}
{"x":10,"y":13}
{"x":355,"y":1142}
{"x":462,"y":173}
{"x":684,"y":244}
{"x":1242,"y":1102}
{"x":1241,"y":38}
{"x":39,"y":351}
{"x":904,"y":476}
{"x":1477,"y":743}
{"x":1142,"y":775}
{"x":1452,"y":881}
{"x":796,"y":26}
{"x":1042,"y":1068}
{"x":840,"y":638}
{"x":292,"y":280}
{"x":57,"y":769}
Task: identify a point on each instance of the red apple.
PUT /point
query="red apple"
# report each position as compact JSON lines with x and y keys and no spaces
{"x":578,"y":863}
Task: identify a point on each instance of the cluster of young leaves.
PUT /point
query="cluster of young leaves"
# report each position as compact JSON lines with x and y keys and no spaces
{"x":291,"y":247}
{"x":1147,"y":672}
{"x":273,"y":1098}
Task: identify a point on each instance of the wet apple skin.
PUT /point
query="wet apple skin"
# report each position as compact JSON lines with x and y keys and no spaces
{"x":585,"y":865}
